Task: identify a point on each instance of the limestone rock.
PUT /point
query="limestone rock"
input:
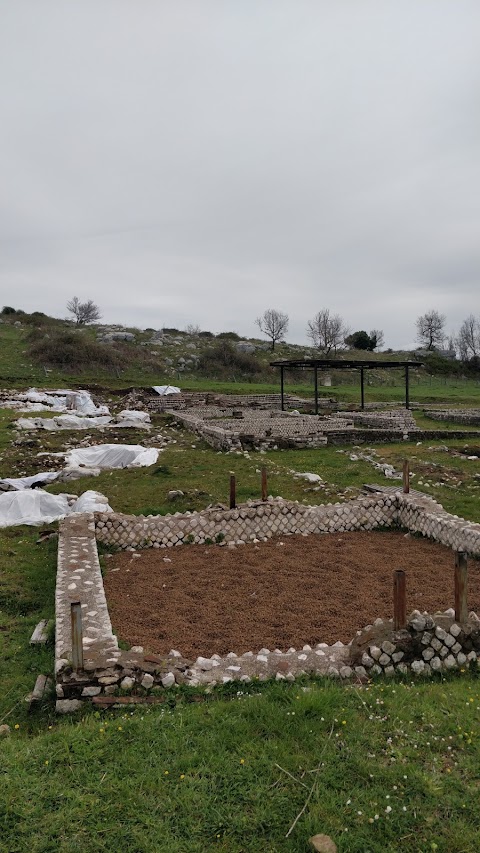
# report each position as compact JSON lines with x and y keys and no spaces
{"x":322,"y":844}
{"x":67,"y":706}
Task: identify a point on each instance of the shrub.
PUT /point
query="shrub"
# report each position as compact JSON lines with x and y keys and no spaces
{"x":7,"y":309}
{"x":229,"y":336}
{"x":223,"y":359}
{"x":72,"y":350}
{"x":206,"y":335}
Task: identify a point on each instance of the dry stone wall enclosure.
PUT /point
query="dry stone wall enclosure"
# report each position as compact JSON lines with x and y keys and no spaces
{"x":428,"y":643}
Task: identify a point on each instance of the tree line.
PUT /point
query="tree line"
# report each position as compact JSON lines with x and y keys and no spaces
{"x":329,"y":333}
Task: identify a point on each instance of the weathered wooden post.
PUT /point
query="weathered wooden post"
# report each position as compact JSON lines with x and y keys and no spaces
{"x":406,"y":477}
{"x":461,"y":612}
{"x":399,"y":600}
{"x":77,"y":635}
{"x":233,"y":491}
{"x":264,"y":484}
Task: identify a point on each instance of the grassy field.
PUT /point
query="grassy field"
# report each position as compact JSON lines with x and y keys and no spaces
{"x":384,"y":767}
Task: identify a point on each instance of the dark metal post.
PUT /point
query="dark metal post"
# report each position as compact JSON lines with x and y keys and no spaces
{"x":406,"y":477}
{"x":315,"y":373}
{"x":362,"y":388}
{"x":399,"y":600}
{"x":407,"y":388}
{"x":77,"y":635}
{"x":461,"y":613}
{"x":264,"y":484}
{"x":233,"y":502}
{"x":281,"y":388}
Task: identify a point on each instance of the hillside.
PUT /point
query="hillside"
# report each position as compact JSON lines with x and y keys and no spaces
{"x":40,"y":350}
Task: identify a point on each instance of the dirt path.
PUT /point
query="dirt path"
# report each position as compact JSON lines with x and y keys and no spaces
{"x":205,"y":599}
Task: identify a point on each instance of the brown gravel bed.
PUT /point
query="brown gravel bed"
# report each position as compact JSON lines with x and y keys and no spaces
{"x":205,"y":599}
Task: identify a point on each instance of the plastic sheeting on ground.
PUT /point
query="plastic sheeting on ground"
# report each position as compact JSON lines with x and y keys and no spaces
{"x":20,"y":483}
{"x":163,"y":390}
{"x":111,"y":456}
{"x":128,"y":418}
{"x":62,"y":400}
{"x":39,"y":507}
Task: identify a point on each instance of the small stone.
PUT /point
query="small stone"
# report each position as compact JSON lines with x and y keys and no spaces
{"x":388,"y":647}
{"x":346,"y":671}
{"x":147,"y":681}
{"x":279,"y":677}
{"x":418,"y":624}
{"x":91,"y":691}
{"x":376,"y":669}
{"x":449,"y":641}
{"x":168,"y":680}
{"x":389,"y":670}
{"x":384,"y":660}
{"x":375,"y":652}
{"x":427,"y":638}
{"x":440,"y":633}
{"x":455,"y":629}
{"x":456,"y":648}
{"x":127,"y":683}
{"x":322,"y":844}
{"x":137,"y":649}
{"x":471,"y":656}
{"x":68,"y":706}
{"x":204,"y":663}
{"x":5,"y":730}
{"x":436,"y":644}
{"x":461,"y":658}
{"x":367,"y":660}
{"x":428,"y":654}
{"x":403,"y":668}
{"x":361,"y":671}
{"x":418,"y":666}
{"x":397,"y":656}
{"x":436,"y":664}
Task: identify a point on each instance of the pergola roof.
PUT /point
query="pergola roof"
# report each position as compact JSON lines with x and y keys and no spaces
{"x":343,"y":364}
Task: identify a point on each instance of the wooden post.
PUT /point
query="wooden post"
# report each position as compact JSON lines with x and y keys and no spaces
{"x":362,"y":388}
{"x":407,"y":388}
{"x":233,"y":502}
{"x":399,"y":600}
{"x":281,"y":389}
{"x":264,"y":484}
{"x":406,"y":477}
{"x":77,"y":635}
{"x":315,"y":374}
{"x":461,"y":612}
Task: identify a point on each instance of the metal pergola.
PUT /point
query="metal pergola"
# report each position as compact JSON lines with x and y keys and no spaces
{"x":317,"y":364}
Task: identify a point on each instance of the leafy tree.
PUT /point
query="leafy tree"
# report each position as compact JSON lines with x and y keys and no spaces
{"x":84,"y":312}
{"x":364,"y":341}
{"x":7,"y":309}
{"x":273,"y":324}
{"x":327,"y":331}
{"x":431,"y":329}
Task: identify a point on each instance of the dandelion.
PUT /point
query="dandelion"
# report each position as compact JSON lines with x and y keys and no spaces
{"x":16,"y":726}
{"x":120,"y":729}
{"x":242,"y":761}
{"x":46,"y":762}
{"x":344,"y":722}
{"x":182,"y":775}
{"x":166,"y":773}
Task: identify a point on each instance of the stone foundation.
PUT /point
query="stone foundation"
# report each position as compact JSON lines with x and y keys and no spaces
{"x":428,"y":644}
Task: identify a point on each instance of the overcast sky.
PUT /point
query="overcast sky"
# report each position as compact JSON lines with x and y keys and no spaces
{"x":198,"y":162}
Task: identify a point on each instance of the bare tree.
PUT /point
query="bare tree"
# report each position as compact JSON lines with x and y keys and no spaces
{"x":273,"y":324}
{"x":431,"y":329}
{"x":84,"y":312}
{"x":379,"y":338}
{"x":468,"y":338}
{"x":192,"y":329}
{"x":327,"y":331}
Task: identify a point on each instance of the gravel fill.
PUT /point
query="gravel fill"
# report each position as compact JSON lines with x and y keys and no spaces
{"x":285,"y":592}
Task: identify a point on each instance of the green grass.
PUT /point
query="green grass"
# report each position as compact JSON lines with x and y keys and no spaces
{"x":211,"y":771}
{"x":393,"y":766}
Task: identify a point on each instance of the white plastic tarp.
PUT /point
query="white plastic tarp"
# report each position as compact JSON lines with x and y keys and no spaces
{"x":163,"y":390}
{"x":63,"y":422}
{"x":20,"y":483}
{"x":112,"y":456}
{"x":39,"y":507}
{"x":133,"y":418}
{"x":79,"y":402}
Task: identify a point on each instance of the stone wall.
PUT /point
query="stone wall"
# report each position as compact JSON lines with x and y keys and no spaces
{"x":398,"y":419}
{"x":429,"y":643}
{"x":457,"y":416}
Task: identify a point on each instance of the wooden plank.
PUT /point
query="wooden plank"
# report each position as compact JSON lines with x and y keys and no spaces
{"x":406,"y":477}
{"x":40,"y":634}
{"x":399,"y":600}
{"x":461,"y":610}
{"x":42,"y":684}
{"x":108,"y":701}
{"x":233,"y":501}
{"x":264,"y":484}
